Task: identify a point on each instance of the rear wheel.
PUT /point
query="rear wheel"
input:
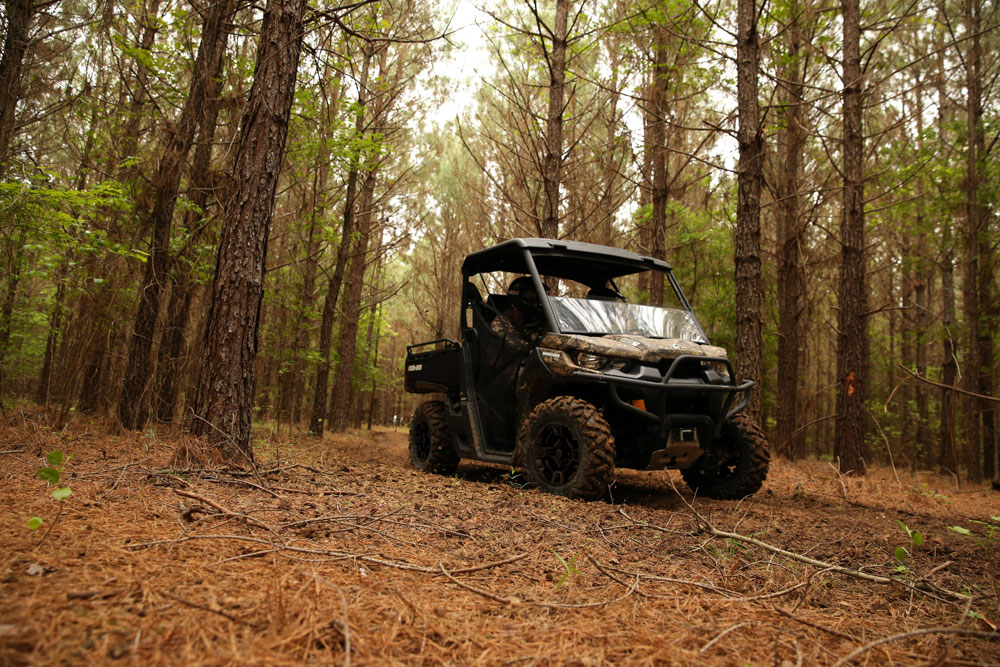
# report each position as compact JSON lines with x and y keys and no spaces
{"x":736,"y":465}
{"x":431,"y":449}
{"x":566,"y":447}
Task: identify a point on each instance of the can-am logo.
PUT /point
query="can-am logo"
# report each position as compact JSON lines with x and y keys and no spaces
{"x":415,"y":367}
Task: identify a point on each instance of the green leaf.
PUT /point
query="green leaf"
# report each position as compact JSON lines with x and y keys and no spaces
{"x":35,"y":522}
{"x":960,"y":530}
{"x":55,"y":458}
{"x":917,"y":538}
{"x":50,"y":475}
{"x":62,"y":494}
{"x":900,"y":555}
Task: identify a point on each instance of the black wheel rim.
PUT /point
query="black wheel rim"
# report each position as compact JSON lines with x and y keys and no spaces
{"x":726,"y":465}
{"x":421,"y":446}
{"x":557,"y":456}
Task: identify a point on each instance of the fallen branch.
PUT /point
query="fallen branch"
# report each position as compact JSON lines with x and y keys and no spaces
{"x":346,"y":625}
{"x":476,"y":590}
{"x":340,"y":555}
{"x":725,"y":592}
{"x":223,"y":510}
{"x":584,"y":605}
{"x":243,"y":482}
{"x":315,"y":493}
{"x":706,"y":526}
{"x":195,"y":605}
{"x":785,"y":591}
{"x":600,"y":568}
{"x":811,"y":624}
{"x":723,"y":634}
{"x":978,"y":634}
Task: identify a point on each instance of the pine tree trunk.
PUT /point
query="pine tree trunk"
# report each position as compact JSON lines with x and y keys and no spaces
{"x":552,"y":169}
{"x":11,"y":283}
{"x":749,"y":284}
{"x":342,"y":393}
{"x":977,"y":276}
{"x":791,"y":143}
{"x":852,"y":319}
{"x":139,"y":86}
{"x":18,"y":14}
{"x":319,"y":407}
{"x":173,"y":349}
{"x":226,"y":388}
{"x":55,"y":328}
{"x":947,"y":454}
{"x":133,"y":406}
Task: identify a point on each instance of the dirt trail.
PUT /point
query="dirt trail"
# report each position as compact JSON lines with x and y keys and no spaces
{"x":337,"y":552}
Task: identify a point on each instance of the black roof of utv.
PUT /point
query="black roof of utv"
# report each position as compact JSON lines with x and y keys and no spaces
{"x":586,"y":263}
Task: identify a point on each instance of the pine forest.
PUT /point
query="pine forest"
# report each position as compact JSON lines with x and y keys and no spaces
{"x":223,"y":224}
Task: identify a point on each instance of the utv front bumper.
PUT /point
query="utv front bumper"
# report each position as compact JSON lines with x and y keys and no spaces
{"x":671,"y":401}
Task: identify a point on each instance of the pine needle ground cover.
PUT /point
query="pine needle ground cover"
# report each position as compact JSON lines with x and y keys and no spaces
{"x":336,"y":552}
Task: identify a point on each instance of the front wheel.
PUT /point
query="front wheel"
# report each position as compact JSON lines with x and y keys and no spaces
{"x":736,"y":465}
{"x":431,"y":449}
{"x":566,"y":447}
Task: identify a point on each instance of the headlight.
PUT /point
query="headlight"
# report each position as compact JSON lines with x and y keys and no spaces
{"x":593,"y":362}
{"x":597,"y":362}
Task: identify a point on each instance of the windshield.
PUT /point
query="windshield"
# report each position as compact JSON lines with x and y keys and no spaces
{"x":590,"y":316}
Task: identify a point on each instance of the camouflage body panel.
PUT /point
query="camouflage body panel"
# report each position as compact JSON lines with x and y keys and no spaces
{"x":649,"y":351}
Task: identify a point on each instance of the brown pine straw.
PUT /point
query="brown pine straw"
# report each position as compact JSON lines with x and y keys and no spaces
{"x":339,"y":553}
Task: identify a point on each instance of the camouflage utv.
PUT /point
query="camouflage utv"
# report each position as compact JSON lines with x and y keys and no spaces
{"x":595,"y":380}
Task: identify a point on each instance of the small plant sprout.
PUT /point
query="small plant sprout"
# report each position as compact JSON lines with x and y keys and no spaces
{"x":901,"y":553}
{"x":990,"y":532}
{"x":569,"y":566}
{"x":52,"y":473}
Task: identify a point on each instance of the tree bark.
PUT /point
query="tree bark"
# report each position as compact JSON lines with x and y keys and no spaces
{"x":226,"y":387}
{"x":791,"y":143}
{"x":133,"y":405}
{"x":174,"y":346}
{"x":52,"y":339}
{"x":130,"y":133}
{"x":947,"y":455}
{"x":18,"y":14}
{"x":318,"y":417}
{"x":749,"y":284}
{"x":852,"y":319}
{"x":977,"y":281}
{"x":342,"y":393}
{"x":659,"y":190}
{"x":552,"y":168}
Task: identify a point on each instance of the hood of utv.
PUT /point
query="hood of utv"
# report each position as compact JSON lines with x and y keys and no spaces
{"x":626,"y":346}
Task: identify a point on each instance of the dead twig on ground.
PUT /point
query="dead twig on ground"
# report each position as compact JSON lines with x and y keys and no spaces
{"x":811,"y":624}
{"x":706,"y":526}
{"x":785,"y":591}
{"x":315,"y":493}
{"x":203,"y":607}
{"x":241,"y":482}
{"x":723,"y":634}
{"x":236,"y":515}
{"x":344,"y":623}
{"x":476,"y":590}
{"x":339,"y":555}
{"x":725,"y":592}
{"x":978,"y":634}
